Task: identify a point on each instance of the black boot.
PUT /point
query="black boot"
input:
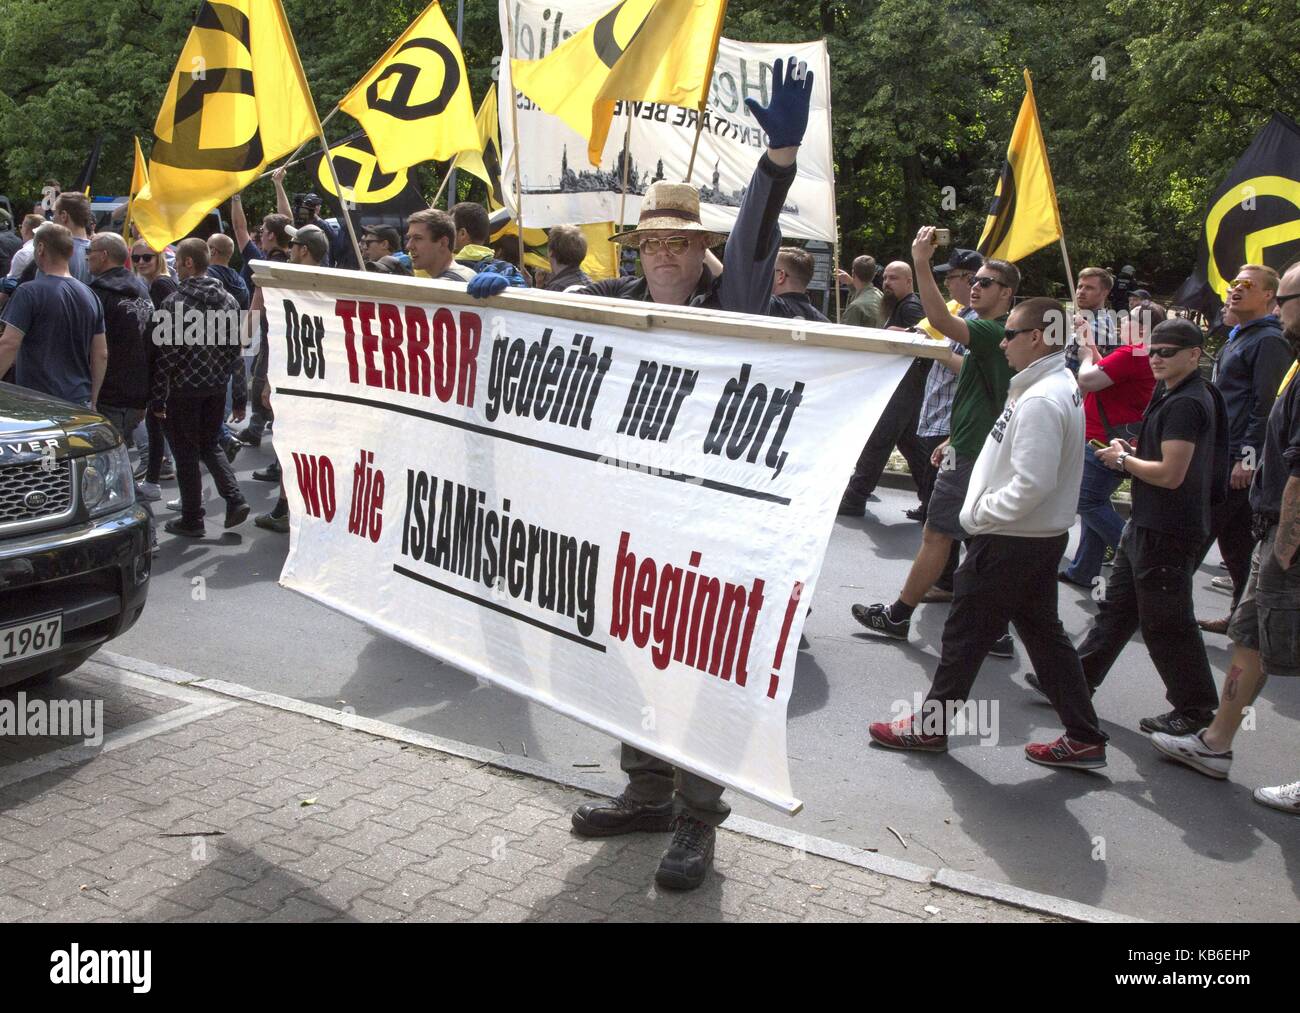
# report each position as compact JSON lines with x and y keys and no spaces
{"x":614,"y":816}
{"x":689,"y":857}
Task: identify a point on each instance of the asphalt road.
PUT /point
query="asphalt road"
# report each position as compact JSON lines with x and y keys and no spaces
{"x":1144,"y":836}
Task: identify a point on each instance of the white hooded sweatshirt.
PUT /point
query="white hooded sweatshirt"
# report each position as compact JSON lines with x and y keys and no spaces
{"x":1026,"y":479}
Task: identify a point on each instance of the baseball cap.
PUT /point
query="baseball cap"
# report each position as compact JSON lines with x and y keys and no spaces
{"x":312,"y":237}
{"x":1182,"y":333}
{"x":961,"y":260}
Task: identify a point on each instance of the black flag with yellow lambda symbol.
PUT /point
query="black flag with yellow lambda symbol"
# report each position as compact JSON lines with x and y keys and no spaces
{"x":1253,"y":218}
{"x":364,"y":184}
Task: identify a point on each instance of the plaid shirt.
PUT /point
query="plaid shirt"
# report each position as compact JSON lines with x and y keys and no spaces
{"x":1105,"y":335}
{"x":940,"y":389}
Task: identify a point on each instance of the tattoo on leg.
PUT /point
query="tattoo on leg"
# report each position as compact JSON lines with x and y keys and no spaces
{"x":1230,"y":687}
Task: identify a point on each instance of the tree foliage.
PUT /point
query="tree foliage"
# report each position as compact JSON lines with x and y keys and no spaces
{"x":1144,"y":106}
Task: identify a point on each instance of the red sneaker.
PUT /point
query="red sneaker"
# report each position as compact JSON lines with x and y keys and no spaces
{"x":905,"y":733}
{"x":1065,"y":752}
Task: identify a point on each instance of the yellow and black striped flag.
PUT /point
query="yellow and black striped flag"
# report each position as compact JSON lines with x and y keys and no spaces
{"x":1024,"y":216}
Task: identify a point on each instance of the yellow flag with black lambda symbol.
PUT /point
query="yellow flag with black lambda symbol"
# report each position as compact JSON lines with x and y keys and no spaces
{"x":1024,"y":216}
{"x":415,"y":103}
{"x":237,"y":101}
{"x":139,"y":180}
{"x":485,"y":161}
{"x":639,"y":50}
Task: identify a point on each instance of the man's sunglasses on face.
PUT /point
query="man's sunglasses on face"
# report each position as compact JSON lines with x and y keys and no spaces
{"x":986,"y":282}
{"x":1165,"y":352}
{"x":1245,"y":283}
{"x":676,"y":245}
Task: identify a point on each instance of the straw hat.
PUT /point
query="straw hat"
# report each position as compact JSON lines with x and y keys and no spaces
{"x":669,"y":206}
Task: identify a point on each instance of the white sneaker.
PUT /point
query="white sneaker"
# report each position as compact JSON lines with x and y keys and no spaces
{"x":1192,"y":751}
{"x":175,"y":504}
{"x":1285,"y":797}
{"x":148,"y":491}
{"x":1222,"y":584}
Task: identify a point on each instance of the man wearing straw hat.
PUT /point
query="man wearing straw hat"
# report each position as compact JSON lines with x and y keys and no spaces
{"x":673,"y":244}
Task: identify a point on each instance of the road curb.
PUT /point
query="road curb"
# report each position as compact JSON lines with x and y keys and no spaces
{"x":884,"y":865}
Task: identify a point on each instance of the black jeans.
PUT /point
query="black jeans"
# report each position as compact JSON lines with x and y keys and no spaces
{"x":1150,"y":589}
{"x":896,"y":428}
{"x":193,"y":428}
{"x":1004,"y":579}
{"x":1231,"y":525}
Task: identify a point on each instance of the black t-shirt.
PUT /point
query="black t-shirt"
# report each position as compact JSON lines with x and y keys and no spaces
{"x":1185,"y":413}
{"x":1281,"y":453}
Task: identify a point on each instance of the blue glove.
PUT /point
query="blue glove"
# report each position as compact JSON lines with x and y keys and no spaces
{"x":486,"y":284}
{"x":785,"y":117}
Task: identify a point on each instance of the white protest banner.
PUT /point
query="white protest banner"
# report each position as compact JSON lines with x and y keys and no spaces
{"x":561,"y":187}
{"x":615,"y":509}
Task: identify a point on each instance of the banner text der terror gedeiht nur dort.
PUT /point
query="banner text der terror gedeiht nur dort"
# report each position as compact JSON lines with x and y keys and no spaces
{"x":618,"y":523}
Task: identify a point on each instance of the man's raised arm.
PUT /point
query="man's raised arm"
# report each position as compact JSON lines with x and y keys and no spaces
{"x":932,"y":300}
{"x":750,"y":256}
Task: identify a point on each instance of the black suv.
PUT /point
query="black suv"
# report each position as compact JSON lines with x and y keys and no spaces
{"x":74,"y":543}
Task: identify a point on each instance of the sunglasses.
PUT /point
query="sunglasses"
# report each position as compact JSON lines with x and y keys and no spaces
{"x":1013,"y":334}
{"x":1282,"y":300}
{"x":142,"y":258}
{"x":986,"y":282}
{"x":677,"y":245}
{"x":1165,"y":353}
{"x":1245,"y":283}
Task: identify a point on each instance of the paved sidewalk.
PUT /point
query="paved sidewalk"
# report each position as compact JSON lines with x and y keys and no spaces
{"x":200,"y":807}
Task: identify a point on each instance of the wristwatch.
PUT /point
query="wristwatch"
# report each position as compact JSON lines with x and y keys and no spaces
{"x":1119,"y":461}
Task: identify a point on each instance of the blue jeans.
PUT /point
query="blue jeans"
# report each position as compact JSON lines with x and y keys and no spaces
{"x":1102,"y":525}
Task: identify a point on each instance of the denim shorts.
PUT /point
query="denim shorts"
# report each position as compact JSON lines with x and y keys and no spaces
{"x":1267,"y":619}
{"x":944,"y":513}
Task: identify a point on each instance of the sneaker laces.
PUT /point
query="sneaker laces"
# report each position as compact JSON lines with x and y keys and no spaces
{"x":690,"y":833}
{"x":1291,"y":790}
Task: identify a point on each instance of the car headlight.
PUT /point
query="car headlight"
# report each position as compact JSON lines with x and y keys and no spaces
{"x":106,"y":482}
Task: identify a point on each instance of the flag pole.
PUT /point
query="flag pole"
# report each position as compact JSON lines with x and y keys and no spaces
{"x":443,"y":186}
{"x":704,"y":99}
{"x":514,"y":128}
{"x":297,"y":161}
{"x":627,"y":159}
{"x":835,"y":214}
{"x":343,"y":201}
{"x":1069,"y":272}
{"x":294,"y":159}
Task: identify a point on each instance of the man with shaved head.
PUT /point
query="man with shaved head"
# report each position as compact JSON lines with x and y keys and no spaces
{"x":128,"y":311}
{"x":897,"y":425}
{"x":220,"y":249}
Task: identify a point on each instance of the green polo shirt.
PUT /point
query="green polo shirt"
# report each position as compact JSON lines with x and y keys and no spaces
{"x":981,"y":387}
